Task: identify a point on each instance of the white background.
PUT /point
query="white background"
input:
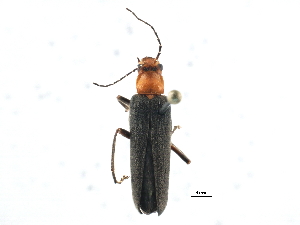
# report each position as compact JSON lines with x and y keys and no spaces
{"x":237,"y":66}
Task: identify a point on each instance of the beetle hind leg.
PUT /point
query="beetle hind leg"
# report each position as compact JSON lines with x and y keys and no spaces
{"x":180,"y":154}
{"x":126,"y":134}
{"x":177,"y":150}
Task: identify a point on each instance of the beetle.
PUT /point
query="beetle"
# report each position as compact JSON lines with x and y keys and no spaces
{"x":150,"y":135}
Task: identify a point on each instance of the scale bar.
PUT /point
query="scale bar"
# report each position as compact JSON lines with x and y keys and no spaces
{"x":201,"y":196}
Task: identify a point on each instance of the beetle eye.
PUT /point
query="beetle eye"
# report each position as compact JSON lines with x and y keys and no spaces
{"x":160,"y":66}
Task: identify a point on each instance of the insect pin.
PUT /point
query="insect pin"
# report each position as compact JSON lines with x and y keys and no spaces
{"x":150,"y":135}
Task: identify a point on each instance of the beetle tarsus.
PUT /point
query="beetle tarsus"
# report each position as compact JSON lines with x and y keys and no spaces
{"x":123,"y":178}
{"x":175,"y":128}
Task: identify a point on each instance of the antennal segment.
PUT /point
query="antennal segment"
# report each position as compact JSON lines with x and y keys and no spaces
{"x":159,"y":49}
{"x":117,"y":80}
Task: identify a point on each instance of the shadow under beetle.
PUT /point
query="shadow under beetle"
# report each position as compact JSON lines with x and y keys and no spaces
{"x":150,"y":135}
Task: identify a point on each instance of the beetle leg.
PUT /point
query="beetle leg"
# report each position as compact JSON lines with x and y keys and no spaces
{"x":124,"y":102}
{"x":177,"y":150}
{"x":175,"y":128}
{"x":126,"y":134}
{"x":180,"y":154}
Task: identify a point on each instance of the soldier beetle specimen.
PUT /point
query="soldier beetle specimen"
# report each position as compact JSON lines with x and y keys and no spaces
{"x":150,"y":135}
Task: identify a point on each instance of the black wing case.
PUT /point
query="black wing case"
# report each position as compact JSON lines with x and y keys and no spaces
{"x":150,"y":143}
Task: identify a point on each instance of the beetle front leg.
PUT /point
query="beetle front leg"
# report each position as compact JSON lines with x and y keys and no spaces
{"x":126,"y":134}
{"x":125,"y":102}
{"x":175,"y":128}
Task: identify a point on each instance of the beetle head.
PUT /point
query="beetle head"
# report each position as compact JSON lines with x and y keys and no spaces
{"x":150,"y":80}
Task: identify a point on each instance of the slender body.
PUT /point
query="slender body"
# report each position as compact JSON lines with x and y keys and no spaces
{"x":150,"y":135}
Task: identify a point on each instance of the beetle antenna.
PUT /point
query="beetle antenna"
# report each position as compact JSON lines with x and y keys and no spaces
{"x":117,"y":80}
{"x":159,"y":48}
